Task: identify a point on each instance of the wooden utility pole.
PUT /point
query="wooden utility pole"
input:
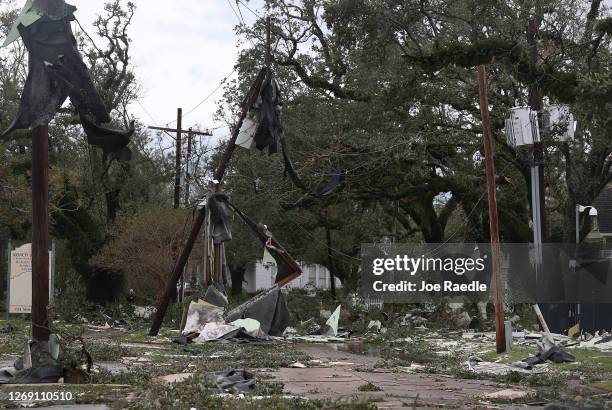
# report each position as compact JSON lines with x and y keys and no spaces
{"x":247,"y":103}
{"x":188,"y":166}
{"x":500,"y":337}
{"x":177,"y":166}
{"x":330,"y":259}
{"x":40,"y":233}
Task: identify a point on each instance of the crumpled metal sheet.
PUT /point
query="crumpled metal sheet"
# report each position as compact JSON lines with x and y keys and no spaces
{"x":56,"y":72}
{"x":269,"y":308}
{"x":234,"y":381}
{"x":34,"y":10}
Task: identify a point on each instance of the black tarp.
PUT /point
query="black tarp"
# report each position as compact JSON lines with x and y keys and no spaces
{"x":268,"y":109}
{"x":55,"y":72}
{"x":220,"y":216}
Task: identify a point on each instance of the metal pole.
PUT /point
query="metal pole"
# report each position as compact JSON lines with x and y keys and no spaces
{"x":177,"y":167}
{"x":40,"y":233}
{"x":535,"y":97}
{"x":493,"y":223}
{"x":577,"y":224}
{"x":8,"y":279}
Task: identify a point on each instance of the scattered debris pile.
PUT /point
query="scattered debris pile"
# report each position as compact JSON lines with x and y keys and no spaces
{"x":252,"y":322}
{"x":38,"y":365}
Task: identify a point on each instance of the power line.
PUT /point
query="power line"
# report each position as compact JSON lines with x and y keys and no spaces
{"x":207,"y":97}
{"x":248,"y":8}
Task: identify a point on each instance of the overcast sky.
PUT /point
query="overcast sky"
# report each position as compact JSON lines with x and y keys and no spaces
{"x":181,"y":52}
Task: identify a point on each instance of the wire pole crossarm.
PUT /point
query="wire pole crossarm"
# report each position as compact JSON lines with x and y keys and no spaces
{"x":203,"y":133}
{"x":500,"y":338}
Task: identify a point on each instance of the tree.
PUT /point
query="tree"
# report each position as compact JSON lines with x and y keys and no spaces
{"x":144,"y":247}
{"x":386,"y":90}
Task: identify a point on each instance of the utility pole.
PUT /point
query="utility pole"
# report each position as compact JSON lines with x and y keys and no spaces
{"x":537,"y":170}
{"x":247,"y":103}
{"x":188,"y":166}
{"x":330,"y":258}
{"x":40,"y":233}
{"x":500,"y":338}
{"x":177,"y":166}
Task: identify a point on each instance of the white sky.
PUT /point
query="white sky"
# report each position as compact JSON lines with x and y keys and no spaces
{"x":181,"y":51}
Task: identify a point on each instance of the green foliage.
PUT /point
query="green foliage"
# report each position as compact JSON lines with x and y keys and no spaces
{"x":605,"y":26}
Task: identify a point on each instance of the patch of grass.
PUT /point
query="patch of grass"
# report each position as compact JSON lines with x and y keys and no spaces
{"x":14,"y":342}
{"x":108,"y":351}
{"x":603,"y":385}
{"x":369,"y":387}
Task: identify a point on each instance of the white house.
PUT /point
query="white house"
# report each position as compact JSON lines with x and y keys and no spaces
{"x":260,"y":276}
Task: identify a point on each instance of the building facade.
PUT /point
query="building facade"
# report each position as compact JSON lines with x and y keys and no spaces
{"x":260,"y":276}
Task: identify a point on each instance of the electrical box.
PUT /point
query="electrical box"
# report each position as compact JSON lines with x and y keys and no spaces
{"x":560,"y":116}
{"x":522,"y":127}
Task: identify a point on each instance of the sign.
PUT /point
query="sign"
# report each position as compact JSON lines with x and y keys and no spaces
{"x":20,"y":280}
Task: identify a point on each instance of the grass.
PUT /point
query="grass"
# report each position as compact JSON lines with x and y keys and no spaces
{"x":369,"y":387}
{"x":603,"y":385}
{"x":13,"y":343}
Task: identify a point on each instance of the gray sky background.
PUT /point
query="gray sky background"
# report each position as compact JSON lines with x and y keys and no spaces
{"x":181,"y":51}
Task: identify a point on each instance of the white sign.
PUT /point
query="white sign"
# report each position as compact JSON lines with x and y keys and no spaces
{"x":20,"y":282}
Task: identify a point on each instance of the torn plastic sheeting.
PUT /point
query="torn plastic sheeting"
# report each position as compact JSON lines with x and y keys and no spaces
{"x":220,"y":216}
{"x":269,"y":308}
{"x":199,"y":314}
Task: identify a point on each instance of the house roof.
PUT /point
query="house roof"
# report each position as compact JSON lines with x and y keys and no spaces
{"x":603,"y":204}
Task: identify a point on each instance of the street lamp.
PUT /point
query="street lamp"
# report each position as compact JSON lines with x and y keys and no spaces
{"x":579,"y":210}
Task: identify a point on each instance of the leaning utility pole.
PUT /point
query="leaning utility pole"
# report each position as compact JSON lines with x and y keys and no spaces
{"x":40,"y":233}
{"x":500,"y":338}
{"x":247,"y":103}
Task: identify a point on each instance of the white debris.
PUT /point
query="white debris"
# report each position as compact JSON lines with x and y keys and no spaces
{"x":213,"y":331}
